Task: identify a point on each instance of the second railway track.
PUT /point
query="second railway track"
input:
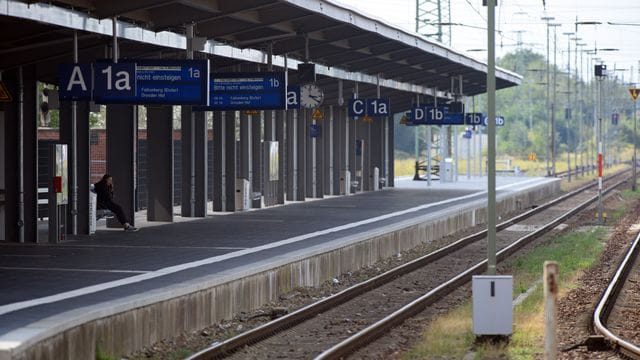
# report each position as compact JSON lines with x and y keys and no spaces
{"x":338,"y":325}
{"x":619,"y":303}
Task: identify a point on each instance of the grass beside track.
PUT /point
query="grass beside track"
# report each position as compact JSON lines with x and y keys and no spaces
{"x":451,"y":336}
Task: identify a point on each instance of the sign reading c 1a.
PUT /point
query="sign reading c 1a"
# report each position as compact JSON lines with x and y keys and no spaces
{"x":370,"y":107}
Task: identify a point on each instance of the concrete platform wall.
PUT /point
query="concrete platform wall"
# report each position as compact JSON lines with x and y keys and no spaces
{"x":213,"y":300}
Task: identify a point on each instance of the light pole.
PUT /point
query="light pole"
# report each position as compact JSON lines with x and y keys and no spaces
{"x":567,"y":116}
{"x":549,"y":132}
{"x":634,"y":97}
{"x":580,"y":104}
{"x":606,"y":125}
{"x":576,"y":142}
{"x":491,"y":127}
{"x":613,"y":141}
{"x":578,"y":23}
{"x":593,"y":157}
{"x":600,"y":73}
{"x":553,"y":103}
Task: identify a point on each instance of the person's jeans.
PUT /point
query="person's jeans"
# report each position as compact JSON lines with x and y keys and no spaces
{"x":115,"y":208}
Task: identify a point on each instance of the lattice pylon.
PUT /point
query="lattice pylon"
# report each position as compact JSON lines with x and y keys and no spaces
{"x":430,"y":17}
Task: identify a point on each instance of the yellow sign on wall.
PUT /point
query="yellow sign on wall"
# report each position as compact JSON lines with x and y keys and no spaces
{"x":317,"y":114}
{"x":5,"y":96}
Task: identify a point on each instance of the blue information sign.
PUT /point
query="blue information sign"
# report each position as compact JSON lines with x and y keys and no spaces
{"x":370,"y":107}
{"x":179,"y":82}
{"x":357,"y":107}
{"x":435,"y":115}
{"x":499,"y":121}
{"x":473,"y":118}
{"x":314,"y":130}
{"x":75,"y":81}
{"x":454,"y":118}
{"x":248,"y":91}
{"x":170,"y":82}
{"x":378,"y":107}
{"x":114,"y":83}
{"x":293,"y":97}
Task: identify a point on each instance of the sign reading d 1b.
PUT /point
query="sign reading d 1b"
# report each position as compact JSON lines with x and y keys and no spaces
{"x":370,"y":107}
{"x":436,"y":115}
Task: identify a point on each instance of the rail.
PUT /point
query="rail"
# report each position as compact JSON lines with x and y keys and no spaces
{"x":608,"y":301}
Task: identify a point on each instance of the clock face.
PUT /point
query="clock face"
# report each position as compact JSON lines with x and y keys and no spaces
{"x":311,"y":96}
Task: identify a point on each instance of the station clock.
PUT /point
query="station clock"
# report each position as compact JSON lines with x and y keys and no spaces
{"x":311,"y":96}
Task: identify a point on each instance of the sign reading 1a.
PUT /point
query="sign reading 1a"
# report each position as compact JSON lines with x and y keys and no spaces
{"x":114,"y":81}
{"x":370,"y":107}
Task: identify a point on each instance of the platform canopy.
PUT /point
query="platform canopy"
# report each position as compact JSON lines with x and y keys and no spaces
{"x":344,"y":43}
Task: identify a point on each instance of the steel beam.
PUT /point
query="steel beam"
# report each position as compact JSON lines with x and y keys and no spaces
{"x":122,"y":125}
{"x":72,"y":19}
{"x":82,"y":158}
{"x":160,"y":163}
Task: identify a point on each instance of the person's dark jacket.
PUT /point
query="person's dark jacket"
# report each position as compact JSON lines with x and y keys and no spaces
{"x":104,"y":191}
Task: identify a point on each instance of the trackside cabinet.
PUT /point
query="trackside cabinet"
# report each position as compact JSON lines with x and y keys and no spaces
{"x":492,"y":304}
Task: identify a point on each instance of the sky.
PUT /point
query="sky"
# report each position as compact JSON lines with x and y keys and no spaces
{"x":522,"y":18}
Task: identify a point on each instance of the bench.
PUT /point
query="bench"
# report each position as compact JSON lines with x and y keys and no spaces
{"x":101,"y":213}
{"x":104,"y":214}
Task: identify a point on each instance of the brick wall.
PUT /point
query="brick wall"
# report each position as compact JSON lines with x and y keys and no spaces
{"x":98,"y":165}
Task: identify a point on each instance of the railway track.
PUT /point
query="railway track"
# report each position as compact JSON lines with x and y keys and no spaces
{"x":611,"y":298}
{"x":342,"y":323}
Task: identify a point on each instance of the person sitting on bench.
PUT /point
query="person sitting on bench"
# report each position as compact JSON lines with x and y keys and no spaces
{"x":104,"y":190}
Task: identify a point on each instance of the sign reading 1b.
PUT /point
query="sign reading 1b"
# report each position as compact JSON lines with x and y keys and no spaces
{"x":248,"y":91}
{"x":473,"y":118}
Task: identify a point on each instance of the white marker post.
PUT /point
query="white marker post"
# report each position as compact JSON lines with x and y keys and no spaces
{"x":550,"y":285}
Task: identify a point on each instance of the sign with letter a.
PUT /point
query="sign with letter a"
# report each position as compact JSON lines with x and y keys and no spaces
{"x":75,"y":81}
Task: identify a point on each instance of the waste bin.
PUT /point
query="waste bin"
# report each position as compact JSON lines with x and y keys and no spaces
{"x":93,"y":204}
{"x":345,"y":181}
{"x":376,"y":178}
{"x":243,"y":194}
{"x":447,"y":173}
